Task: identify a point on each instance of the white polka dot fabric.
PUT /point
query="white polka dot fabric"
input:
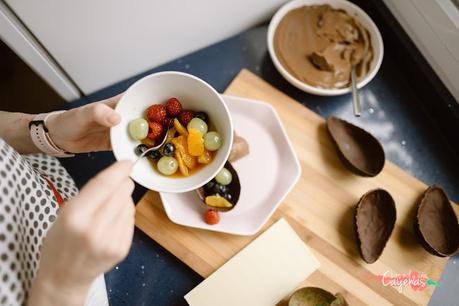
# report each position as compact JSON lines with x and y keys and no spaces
{"x":28,"y":208}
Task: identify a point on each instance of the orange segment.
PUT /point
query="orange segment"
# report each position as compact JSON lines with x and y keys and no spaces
{"x":180,"y":128}
{"x":171,"y":134}
{"x":190,"y":161}
{"x":181,"y":146}
{"x":195,"y":142}
{"x":218,"y":201}
{"x":205,"y":157}
{"x":182,"y":167}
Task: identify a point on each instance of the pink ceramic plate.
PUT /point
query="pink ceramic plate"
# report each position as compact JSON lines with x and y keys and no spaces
{"x":267,"y":174}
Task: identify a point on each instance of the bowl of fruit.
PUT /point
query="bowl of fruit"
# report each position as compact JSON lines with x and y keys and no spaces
{"x":178,"y":130}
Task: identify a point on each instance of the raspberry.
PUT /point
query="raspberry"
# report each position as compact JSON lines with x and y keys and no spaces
{"x":212,"y":217}
{"x":156,"y":113}
{"x":185,"y":117}
{"x":173,"y":107}
{"x":168,"y":122}
{"x":156,"y":129}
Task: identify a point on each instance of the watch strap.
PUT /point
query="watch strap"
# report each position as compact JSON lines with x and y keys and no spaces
{"x":41,"y":138}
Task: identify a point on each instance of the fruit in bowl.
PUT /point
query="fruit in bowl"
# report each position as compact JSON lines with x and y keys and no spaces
{"x":195,"y":96}
{"x":191,"y":138}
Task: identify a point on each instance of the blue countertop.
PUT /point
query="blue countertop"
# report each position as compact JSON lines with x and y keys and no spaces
{"x":395,"y":110}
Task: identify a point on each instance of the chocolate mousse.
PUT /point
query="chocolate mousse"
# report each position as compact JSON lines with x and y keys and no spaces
{"x":319,"y":45}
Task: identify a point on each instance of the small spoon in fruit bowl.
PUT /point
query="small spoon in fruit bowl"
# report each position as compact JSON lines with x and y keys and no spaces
{"x":155,"y":148}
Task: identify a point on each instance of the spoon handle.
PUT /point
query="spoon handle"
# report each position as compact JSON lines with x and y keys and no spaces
{"x":141,"y":156}
{"x":355,"y":93}
{"x":157,"y":147}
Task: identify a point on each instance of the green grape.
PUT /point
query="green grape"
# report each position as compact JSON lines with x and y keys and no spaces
{"x":212,"y":141}
{"x":167,"y":165}
{"x":138,"y":128}
{"x":224,"y":177}
{"x":198,"y":124}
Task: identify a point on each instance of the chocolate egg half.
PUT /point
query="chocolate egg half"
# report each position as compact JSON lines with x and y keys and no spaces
{"x":374,"y":219}
{"x":234,"y":190}
{"x":436,"y":224}
{"x":313,"y":296}
{"x":360,"y":151}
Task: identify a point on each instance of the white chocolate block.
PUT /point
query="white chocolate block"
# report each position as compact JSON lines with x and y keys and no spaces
{"x":262,"y":274}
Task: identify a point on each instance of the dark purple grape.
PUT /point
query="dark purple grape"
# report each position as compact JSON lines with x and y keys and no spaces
{"x":169,"y":149}
{"x":154,"y":154}
{"x":228,"y":196}
{"x":203,"y":116}
{"x":140,"y":149}
{"x":210,"y":185}
{"x":220,"y":189}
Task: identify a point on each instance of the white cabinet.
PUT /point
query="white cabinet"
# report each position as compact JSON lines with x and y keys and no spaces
{"x":98,"y":43}
{"x":433,"y":25}
{"x":19,"y":39}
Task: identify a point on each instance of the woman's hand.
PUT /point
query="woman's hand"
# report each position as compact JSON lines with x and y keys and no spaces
{"x":85,"y":129}
{"x":80,"y":130}
{"x":92,"y":233}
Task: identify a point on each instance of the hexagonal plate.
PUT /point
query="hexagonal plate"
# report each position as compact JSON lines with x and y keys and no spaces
{"x":267,"y":174}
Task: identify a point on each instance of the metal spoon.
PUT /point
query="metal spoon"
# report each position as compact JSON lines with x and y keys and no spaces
{"x":355,"y":93}
{"x":155,"y":148}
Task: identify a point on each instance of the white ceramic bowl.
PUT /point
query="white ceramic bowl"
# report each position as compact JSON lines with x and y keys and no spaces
{"x":194,"y":94}
{"x":351,"y":9}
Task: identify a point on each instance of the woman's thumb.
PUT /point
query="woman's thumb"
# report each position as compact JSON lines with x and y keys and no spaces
{"x":104,"y":115}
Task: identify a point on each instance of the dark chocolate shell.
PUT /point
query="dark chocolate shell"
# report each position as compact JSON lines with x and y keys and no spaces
{"x":436,"y":225}
{"x":234,"y":189}
{"x":339,"y":301}
{"x":313,"y":296}
{"x":374,"y":221}
{"x":360,"y":151}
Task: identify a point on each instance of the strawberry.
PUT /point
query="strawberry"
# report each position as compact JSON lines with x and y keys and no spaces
{"x":173,"y":107}
{"x":212,"y":217}
{"x":185,"y":116}
{"x":156,"y":113}
{"x":156,"y":129}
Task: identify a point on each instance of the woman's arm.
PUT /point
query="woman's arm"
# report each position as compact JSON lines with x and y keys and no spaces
{"x":49,"y":292}
{"x":80,"y":130}
{"x":14,"y":129}
{"x":92,"y":233}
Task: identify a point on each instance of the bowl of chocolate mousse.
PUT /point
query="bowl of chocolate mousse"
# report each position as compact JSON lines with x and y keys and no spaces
{"x":315,"y":44}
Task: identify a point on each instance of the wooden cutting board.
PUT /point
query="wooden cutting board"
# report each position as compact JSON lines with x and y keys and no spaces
{"x":319,"y":208}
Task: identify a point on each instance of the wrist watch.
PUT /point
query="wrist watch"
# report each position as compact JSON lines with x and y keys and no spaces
{"x":40,"y":136}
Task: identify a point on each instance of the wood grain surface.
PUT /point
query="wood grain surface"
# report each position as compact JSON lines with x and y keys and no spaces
{"x":320,"y":209}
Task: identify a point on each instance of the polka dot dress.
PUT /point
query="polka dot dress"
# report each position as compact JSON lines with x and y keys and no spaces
{"x":28,"y":208}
